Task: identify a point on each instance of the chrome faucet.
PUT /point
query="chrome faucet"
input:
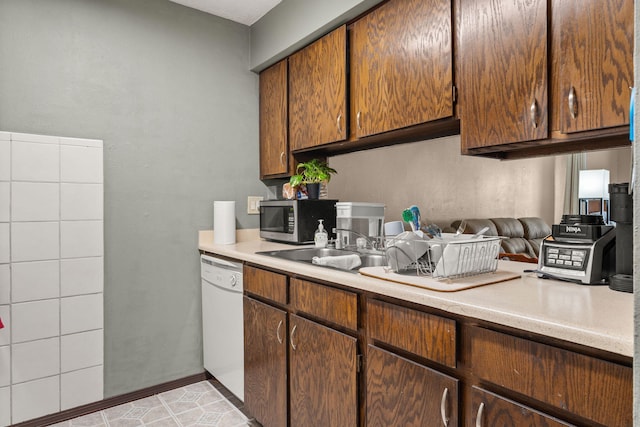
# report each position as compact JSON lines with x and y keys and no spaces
{"x":375,"y":242}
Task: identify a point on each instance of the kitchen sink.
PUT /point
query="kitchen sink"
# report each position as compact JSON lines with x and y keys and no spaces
{"x":306,"y":255}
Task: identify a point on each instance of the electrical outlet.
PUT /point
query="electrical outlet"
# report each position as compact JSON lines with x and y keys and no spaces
{"x":253,"y":204}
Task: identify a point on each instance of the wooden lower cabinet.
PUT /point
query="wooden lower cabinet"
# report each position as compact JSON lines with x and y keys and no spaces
{"x":402,"y":393}
{"x":323,"y":377}
{"x":265,"y":362}
{"x":491,"y":410}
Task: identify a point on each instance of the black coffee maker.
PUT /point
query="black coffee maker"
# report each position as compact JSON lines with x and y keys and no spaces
{"x":621,"y":205}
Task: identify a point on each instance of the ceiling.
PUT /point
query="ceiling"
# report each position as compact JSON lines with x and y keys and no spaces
{"x":243,"y":11}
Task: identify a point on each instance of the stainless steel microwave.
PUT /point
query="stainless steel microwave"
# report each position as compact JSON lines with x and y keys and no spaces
{"x":295,"y":221}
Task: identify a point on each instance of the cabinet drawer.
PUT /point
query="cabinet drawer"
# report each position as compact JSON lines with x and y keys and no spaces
{"x":331,"y":304}
{"x":594,"y":389}
{"x":402,"y":393}
{"x":265,"y":284}
{"x":423,"y":334}
{"x":491,"y":410}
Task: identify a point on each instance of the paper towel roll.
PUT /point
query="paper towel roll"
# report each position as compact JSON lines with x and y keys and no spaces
{"x":224,"y":222}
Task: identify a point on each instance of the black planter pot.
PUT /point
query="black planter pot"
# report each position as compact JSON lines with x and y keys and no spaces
{"x":313,"y":190}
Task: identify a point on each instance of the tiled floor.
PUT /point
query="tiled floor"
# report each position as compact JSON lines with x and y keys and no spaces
{"x":199,"y":404}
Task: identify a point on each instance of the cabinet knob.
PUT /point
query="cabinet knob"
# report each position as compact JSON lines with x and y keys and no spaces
{"x":338,"y":122}
{"x":534,"y":113}
{"x":282,"y":158}
{"x":573,"y":103}
{"x":479,"y":415}
{"x":443,"y":407}
{"x":293,"y":331}
{"x":278,"y":332}
{"x":358,"y":120}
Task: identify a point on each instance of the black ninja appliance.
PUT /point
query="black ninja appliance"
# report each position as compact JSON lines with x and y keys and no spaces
{"x":580,"y":249}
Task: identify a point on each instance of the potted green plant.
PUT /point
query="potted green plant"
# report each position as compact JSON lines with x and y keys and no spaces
{"x":312,"y":174}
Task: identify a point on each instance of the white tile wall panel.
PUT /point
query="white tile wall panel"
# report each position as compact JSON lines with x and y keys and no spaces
{"x":81,"y":276}
{"x":31,"y":137}
{"x":5,"y":243}
{"x":5,"y":333}
{"x":81,"y":201}
{"x":35,"y":201}
{"x":81,"y":350}
{"x":5,"y":366}
{"x":35,"y":320}
{"x":5,"y":201}
{"x":35,"y":399}
{"x":35,"y":359}
{"x":80,"y":239}
{"x":35,"y":162}
{"x":35,"y":241}
{"x":81,"y":387}
{"x":5,"y":406}
{"x":81,"y":164}
{"x":95,"y":143}
{"x":5,"y":160}
{"x":81,"y":313}
{"x":35,"y":280}
{"x":5,"y":284}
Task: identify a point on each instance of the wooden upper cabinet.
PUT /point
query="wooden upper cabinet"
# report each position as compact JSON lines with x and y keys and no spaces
{"x":503,"y":72}
{"x":596,"y":63}
{"x":274,"y":144}
{"x":401,"y":66}
{"x":318,"y":92}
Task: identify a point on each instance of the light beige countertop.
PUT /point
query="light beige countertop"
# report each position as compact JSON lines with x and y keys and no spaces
{"x":594,"y":316}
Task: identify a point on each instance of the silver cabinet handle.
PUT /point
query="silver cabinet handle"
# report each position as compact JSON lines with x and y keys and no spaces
{"x":358,"y":120}
{"x":534,"y":113}
{"x":282,"y":154}
{"x":479,"y":415}
{"x":443,"y":407}
{"x":338,"y":122}
{"x":278,"y":332}
{"x":293,"y":331}
{"x":573,"y":105}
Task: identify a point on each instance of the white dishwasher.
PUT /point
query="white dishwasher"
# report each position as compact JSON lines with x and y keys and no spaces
{"x":222,"y":323}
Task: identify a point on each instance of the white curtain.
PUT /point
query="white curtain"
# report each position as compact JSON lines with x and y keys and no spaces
{"x":575,"y":163}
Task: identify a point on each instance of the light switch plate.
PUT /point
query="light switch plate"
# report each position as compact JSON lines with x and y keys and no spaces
{"x":253,"y":204}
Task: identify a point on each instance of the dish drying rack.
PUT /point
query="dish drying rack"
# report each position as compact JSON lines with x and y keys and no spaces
{"x":446,"y":257}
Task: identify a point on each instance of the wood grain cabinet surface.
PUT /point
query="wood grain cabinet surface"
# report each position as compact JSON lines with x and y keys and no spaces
{"x":503,"y":72}
{"x":334,"y":305}
{"x":265,"y":284}
{"x":318,"y":92}
{"x":323,"y":376}
{"x":274,"y":116}
{"x":423,"y":334}
{"x":595,"y":63}
{"x":492,"y":410}
{"x":265,"y":362}
{"x":402,"y":393}
{"x":544,"y":77}
{"x":401,"y":66}
{"x":593,"y":389}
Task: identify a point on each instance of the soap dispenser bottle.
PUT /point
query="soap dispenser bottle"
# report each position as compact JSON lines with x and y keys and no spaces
{"x":321,"y":237}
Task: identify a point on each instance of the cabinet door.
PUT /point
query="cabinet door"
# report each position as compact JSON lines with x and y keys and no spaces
{"x":274,"y":144}
{"x":318,"y":92}
{"x":265,"y":363}
{"x":401,"y":393}
{"x":323,"y":378}
{"x":490,"y":410}
{"x":503,"y":72}
{"x":596,"y":68}
{"x":401,"y":66}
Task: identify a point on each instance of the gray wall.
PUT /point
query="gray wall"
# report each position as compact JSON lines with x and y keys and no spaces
{"x":169,"y":91}
{"x":293,"y":24}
